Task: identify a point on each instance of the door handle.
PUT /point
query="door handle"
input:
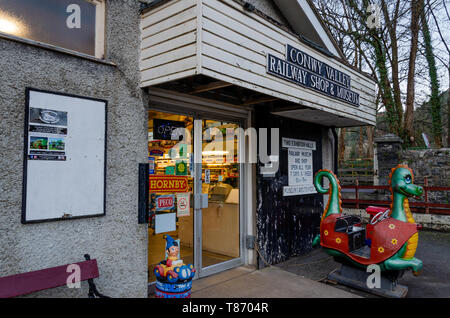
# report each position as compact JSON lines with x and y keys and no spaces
{"x":201,"y":200}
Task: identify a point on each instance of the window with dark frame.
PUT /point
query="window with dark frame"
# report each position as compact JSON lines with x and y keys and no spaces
{"x":75,"y":25}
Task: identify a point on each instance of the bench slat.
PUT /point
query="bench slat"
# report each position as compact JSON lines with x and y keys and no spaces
{"x":26,"y":283}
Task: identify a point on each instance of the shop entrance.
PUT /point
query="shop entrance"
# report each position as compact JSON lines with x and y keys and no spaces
{"x":194,"y":190}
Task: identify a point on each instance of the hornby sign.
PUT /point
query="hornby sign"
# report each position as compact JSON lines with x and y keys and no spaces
{"x":168,"y":184}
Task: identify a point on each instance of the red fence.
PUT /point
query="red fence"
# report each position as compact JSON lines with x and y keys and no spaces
{"x":417,"y":207}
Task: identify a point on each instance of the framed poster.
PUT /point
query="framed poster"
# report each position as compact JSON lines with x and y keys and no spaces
{"x":64,"y":157}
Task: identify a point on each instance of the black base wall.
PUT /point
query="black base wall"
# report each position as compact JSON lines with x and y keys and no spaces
{"x":286,"y":226}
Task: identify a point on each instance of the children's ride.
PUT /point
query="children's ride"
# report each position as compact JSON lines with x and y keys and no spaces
{"x":173,"y":277}
{"x":389,"y":240}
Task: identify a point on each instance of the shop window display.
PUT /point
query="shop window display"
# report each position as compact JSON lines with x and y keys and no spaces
{"x":170,"y":152}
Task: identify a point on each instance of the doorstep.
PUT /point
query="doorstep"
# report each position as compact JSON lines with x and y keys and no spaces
{"x":270,"y":282}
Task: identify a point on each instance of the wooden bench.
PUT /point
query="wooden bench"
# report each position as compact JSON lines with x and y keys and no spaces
{"x":27,"y":283}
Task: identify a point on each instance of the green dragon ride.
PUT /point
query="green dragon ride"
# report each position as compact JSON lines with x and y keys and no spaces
{"x":391,"y":237}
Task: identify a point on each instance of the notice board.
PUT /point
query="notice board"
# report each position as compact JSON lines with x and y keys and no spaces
{"x":64,"y":157}
{"x":300,"y":166}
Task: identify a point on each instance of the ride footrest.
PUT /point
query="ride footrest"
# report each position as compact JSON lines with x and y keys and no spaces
{"x":362,"y":252}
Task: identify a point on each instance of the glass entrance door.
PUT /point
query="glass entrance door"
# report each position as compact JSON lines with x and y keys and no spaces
{"x":195,"y":161}
{"x":171,"y":185}
{"x":220,"y":176}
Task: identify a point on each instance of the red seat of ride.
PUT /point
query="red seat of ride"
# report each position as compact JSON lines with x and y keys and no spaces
{"x":374,"y":210}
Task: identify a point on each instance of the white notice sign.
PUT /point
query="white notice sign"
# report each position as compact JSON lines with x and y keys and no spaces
{"x":183,"y":204}
{"x":300,"y":170}
{"x":207,"y":176}
{"x":298,"y":143}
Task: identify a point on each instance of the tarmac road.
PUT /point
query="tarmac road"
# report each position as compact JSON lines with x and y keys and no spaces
{"x":434,"y":280}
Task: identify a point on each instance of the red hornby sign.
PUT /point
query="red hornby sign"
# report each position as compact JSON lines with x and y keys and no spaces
{"x":168,"y":184}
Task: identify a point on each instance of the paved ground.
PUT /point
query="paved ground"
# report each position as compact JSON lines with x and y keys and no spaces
{"x":271,"y":282}
{"x":434,"y":281}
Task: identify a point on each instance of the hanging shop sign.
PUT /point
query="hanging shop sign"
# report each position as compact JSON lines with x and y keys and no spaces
{"x":165,"y":202}
{"x":157,"y":152}
{"x":307,"y":71}
{"x":300,"y":166}
{"x":168,"y":184}
{"x":151,"y":165}
{"x":207,"y":176}
{"x":170,"y":170}
{"x":183,"y":150}
{"x":163,"y":129}
{"x":181,"y":168}
{"x":65,"y":151}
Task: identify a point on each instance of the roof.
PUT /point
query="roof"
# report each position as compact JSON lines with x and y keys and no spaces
{"x":304,"y":21}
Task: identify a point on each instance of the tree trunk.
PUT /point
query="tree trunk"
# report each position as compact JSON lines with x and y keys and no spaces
{"x":341,"y":156}
{"x":448,"y":105}
{"x":434,"y":100}
{"x":375,"y":39}
{"x":370,"y":132}
{"x":386,"y":90}
{"x":416,"y":10}
{"x":361,"y":143}
{"x":391,"y":25}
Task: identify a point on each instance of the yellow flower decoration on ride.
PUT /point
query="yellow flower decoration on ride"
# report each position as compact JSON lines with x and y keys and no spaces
{"x":392,"y":226}
{"x":325,"y":232}
{"x":381,"y":249}
{"x":394,"y":241}
{"x":338,"y":240}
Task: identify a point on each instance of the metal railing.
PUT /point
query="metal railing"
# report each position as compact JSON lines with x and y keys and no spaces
{"x":425,"y":206}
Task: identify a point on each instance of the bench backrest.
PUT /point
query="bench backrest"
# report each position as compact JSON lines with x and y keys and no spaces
{"x":27,"y":283}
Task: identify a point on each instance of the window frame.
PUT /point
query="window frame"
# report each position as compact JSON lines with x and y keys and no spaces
{"x":100,"y":27}
{"x":99,"y":42}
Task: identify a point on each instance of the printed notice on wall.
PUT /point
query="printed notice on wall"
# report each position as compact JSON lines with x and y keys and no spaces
{"x":47,"y":130}
{"x":65,"y":144}
{"x":300,"y":168}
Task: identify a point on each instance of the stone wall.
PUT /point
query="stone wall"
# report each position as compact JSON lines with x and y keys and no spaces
{"x":388,"y":153}
{"x":433,"y":164}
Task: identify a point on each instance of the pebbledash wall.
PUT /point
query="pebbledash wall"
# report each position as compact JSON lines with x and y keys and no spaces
{"x":116,"y":240}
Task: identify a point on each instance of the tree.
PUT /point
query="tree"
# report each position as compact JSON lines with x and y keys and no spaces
{"x":341,"y":154}
{"x":392,"y":53}
{"x":444,"y":42}
{"x":378,"y":47}
{"x":416,"y":12}
{"x":434,"y":100}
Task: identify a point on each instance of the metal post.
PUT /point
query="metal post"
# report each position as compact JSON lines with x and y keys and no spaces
{"x":427,"y":208}
{"x":356,"y":193}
